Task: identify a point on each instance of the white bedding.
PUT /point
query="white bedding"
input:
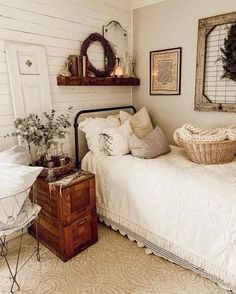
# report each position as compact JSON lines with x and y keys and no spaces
{"x":185,"y":208}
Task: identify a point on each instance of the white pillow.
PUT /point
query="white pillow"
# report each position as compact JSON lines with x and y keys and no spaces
{"x":93,"y":127}
{"x":124,"y":116}
{"x":115,"y":118}
{"x":116,"y":141}
{"x":16,"y":154}
{"x":14,"y":179}
{"x":140,"y":122}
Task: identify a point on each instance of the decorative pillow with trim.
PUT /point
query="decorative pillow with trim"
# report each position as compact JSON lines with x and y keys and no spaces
{"x":116,"y":140}
{"x":93,"y":127}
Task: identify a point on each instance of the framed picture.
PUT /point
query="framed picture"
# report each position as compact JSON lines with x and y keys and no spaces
{"x":165,"y":72}
{"x":216,"y":64}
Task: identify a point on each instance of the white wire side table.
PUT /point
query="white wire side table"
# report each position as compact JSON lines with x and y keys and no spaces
{"x":25,"y":218}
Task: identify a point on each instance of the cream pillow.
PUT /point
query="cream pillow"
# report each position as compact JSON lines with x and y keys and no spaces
{"x":93,"y":127}
{"x":116,"y":140}
{"x":140,"y":122}
{"x":16,"y":154}
{"x":153,"y":145}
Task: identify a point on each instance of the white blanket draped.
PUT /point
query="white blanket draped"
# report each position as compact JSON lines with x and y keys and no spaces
{"x":186,"y":208}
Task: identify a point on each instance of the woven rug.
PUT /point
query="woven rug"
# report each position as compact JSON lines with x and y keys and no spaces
{"x":113,"y":265}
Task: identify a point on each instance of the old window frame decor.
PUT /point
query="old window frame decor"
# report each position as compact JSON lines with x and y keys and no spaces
{"x":222,"y":102}
{"x":165,"y":71}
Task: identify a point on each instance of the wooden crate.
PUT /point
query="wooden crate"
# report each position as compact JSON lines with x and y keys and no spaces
{"x":67,"y":222}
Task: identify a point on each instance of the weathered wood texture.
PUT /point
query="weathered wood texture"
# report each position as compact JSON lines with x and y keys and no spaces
{"x":67,"y":222}
{"x":205,"y":25}
{"x":60,"y":26}
{"x":89,"y":81}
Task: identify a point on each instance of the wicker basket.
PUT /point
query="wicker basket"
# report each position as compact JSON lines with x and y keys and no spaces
{"x":210,"y":152}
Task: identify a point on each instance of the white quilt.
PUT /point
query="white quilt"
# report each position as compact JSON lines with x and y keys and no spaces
{"x":185,"y":208}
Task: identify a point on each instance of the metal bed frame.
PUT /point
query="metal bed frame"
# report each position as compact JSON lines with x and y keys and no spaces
{"x":76,"y":131}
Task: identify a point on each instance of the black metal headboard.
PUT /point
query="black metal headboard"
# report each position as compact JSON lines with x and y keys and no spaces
{"x":77,"y":161}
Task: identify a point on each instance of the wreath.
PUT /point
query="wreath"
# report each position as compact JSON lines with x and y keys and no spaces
{"x":229,"y":54}
{"x":109,"y":55}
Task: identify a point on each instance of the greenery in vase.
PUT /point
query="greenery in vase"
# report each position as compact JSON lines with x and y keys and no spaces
{"x":42,"y":132}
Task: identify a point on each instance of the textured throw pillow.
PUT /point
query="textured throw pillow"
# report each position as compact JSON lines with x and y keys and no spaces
{"x":116,"y":141}
{"x":140,"y":122}
{"x":16,"y":154}
{"x":153,"y":145}
{"x":93,"y":127}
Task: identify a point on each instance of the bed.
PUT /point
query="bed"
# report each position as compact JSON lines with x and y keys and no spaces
{"x":176,"y":209}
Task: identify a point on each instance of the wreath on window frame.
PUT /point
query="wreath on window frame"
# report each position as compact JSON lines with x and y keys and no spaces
{"x":109,"y":54}
{"x":229,"y":54}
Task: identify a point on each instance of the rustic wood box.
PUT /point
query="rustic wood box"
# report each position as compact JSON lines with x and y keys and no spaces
{"x":67,"y":222}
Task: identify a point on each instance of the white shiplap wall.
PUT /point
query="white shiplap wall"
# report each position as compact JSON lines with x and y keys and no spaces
{"x":60,"y":26}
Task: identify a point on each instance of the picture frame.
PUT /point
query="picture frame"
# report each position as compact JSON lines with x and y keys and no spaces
{"x":165,"y":71}
{"x":213,"y":91}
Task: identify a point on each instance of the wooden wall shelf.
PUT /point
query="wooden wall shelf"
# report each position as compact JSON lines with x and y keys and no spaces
{"x":89,"y":81}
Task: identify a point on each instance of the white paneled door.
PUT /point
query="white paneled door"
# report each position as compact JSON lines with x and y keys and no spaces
{"x":29,"y":79}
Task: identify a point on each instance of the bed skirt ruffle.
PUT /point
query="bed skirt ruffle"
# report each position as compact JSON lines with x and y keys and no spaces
{"x":159,"y":246}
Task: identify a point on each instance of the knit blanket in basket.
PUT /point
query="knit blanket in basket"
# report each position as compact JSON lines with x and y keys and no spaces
{"x":189,"y":132}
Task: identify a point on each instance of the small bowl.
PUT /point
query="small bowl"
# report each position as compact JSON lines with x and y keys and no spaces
{"x":60,"y":170}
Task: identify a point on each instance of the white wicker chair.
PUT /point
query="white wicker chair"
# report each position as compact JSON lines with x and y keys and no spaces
{"x":26,"y":217}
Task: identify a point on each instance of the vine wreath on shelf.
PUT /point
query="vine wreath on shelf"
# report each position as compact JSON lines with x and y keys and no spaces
{"x":108,"y":52}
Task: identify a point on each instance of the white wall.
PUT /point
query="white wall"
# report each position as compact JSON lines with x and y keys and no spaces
{"x":59,"y":25}
{"x":142,"y":3}
{"x":169,"y":24}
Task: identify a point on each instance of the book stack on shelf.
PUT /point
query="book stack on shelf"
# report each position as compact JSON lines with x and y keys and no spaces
{"x":78,"y":66}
